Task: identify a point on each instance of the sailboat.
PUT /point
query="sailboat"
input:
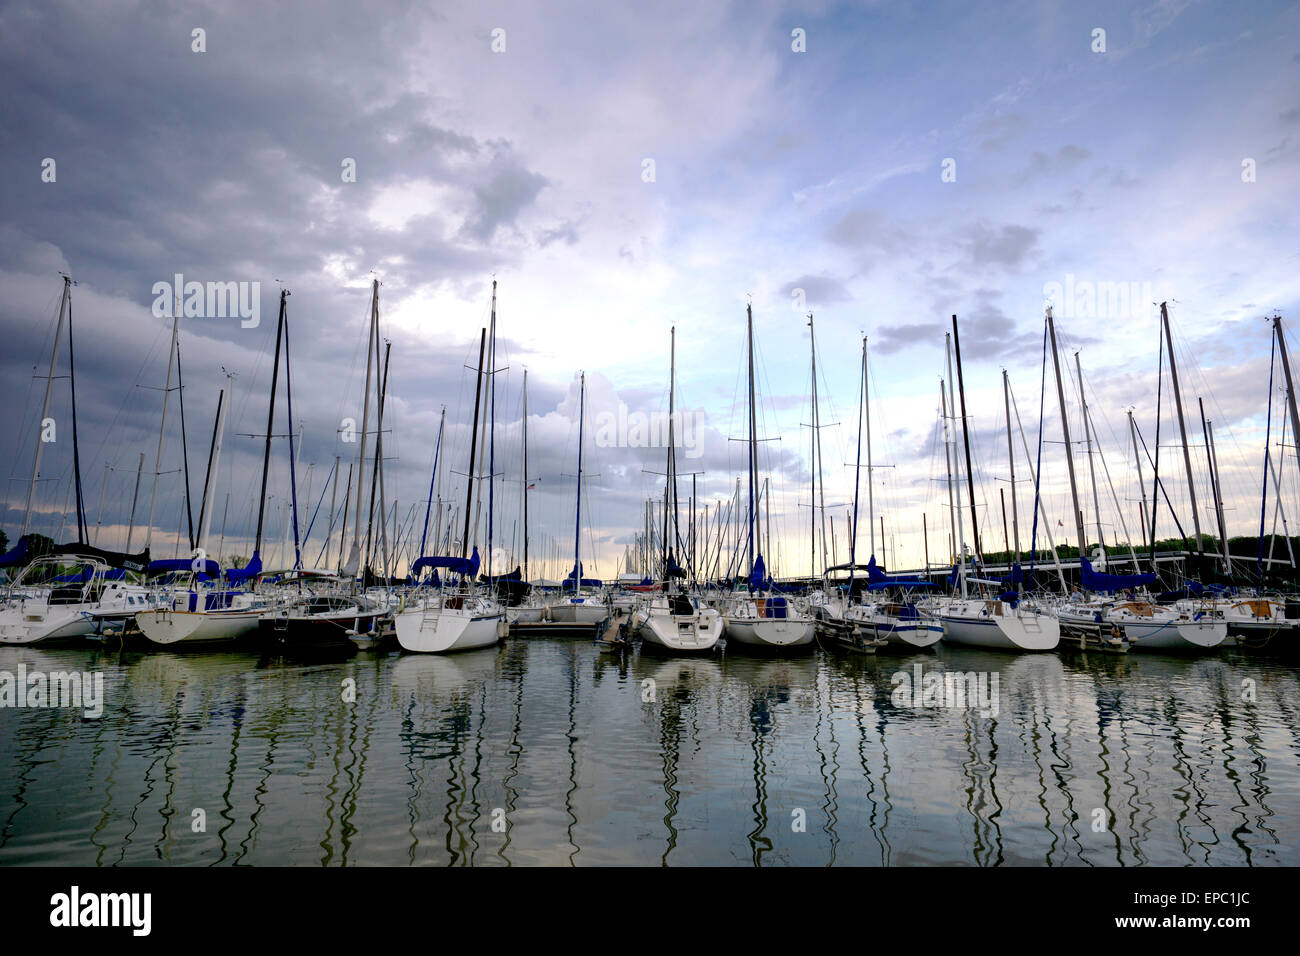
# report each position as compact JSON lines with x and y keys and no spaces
{"x":74,"y":590}
{"x":674,"y":620}
{"x":316,"y":613}
{"x":1003,"y":621}
{"x":228,"y":611}
{"x":1140,"y":624}
{"x":582,"y":601}
{"x":761,"y":619}
{"x":886,"y":615}
{"x":449,"y":613}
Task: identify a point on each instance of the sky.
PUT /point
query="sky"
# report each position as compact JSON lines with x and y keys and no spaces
{"x":622,"y":172}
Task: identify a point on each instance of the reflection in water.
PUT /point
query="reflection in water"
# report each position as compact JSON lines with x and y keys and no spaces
{"x":558,"y":752}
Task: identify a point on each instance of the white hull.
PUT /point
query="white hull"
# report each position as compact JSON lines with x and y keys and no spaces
{"x":979,"y":624}
{"x":1157,"y":628}
{"x":524,"y":614}
{"x":581,"y":613}
{"x":446,"y":630}
{"x":769,"y":632}
{"x":36,"y":623}
{"x":167,"y":627}
{"x":910,"y":633}
{"x":680,"y":633}
{"x":1177,"y":635}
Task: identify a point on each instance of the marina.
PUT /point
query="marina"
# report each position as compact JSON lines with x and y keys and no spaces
{"x":674,"y":442}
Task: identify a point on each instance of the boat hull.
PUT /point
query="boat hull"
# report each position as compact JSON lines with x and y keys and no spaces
{"x":681,"y":633}
{"x":446,"y":631}
{"x":769,"y":632}
{"x":169,"y":628}
{"x":43,"y":624}
{"x":1009,"y":631}
{"x":582,"y":613}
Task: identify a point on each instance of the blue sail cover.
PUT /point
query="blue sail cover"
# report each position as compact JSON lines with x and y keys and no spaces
{"x":248,"y":571}
{"x":585,"y":582}
{"x":17,"y":554}
{"x":878,"y":580}
{"x":1096,"y":581}
{"x":1017,"y":576}
{"x":757,"y":577}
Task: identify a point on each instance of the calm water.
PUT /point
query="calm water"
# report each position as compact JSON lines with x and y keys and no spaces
{"x":552,"y":738}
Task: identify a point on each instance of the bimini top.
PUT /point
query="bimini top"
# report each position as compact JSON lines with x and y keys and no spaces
{"x":1096,"y":581}
{"x":467,"y":566}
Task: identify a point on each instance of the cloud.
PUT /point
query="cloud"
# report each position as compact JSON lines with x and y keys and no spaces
{"x":1008,"y":247}
{"x":819,"y":290}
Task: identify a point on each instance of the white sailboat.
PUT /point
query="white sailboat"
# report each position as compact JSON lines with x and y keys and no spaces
{"x":673,"y":620}
{"x":225,"y":611}
{"x":1013,"y":625}
{"x":445,"y":616}
{"x":581,"y":602}
{"x":759,"y":619}
{"x":46,"y":603}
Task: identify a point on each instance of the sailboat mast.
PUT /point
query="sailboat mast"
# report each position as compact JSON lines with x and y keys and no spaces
{"x":83,"y":534}
{"x":1182,"y":426}
{"x":956,"y":484}
{"x":1011,"y":463}
{"x":871,"y":492}
{"x":947,"y":464}
{"x":1092,"y":470}
{"x":214,"y":465}
{"x":162,"y":426}
{"x":818,"y":480}
{"x":1286,"y":371}
{"x":965,"y":435}
{"x":293,"y":457}
{"x":752,"y":458}
{"x":1217,"y":488}
{"x":45,"y":406}
{"x":857,"y":471}
{"x":492,"y":426}
{"x":524,"y":477}
{"x":270,"y":423}
{"x":1065,"y":429}
{"x":185,"y":444}
{"x":473,"y":443}
{"x":353,"y":562}
{"x":428,"y":506}
{"x":1142,"y":488}
{"x":577,"y":518}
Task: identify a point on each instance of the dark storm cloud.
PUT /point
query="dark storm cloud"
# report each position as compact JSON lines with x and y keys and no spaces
{"x":227,"y":165}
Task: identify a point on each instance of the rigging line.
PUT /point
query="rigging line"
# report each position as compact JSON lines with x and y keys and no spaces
{"x":1263,"y":497}
{"x":1038,"y":471}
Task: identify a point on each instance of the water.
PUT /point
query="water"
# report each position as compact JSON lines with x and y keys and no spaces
{"x":552,"y":739}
